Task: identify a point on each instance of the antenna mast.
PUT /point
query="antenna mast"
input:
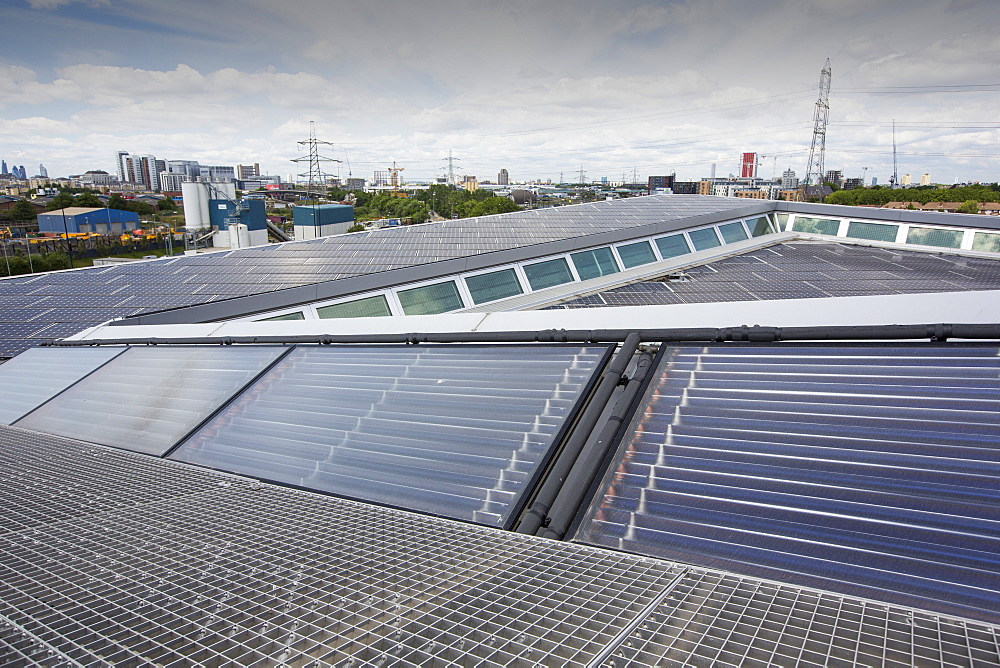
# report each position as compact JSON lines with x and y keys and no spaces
{"x":817,"y":150}
{"x":315,"y":174}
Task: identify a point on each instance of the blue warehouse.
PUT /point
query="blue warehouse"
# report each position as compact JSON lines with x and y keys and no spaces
{"x":87,"y":219}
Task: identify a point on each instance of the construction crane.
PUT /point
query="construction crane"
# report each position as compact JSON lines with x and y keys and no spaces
{"x":394,"y":178}
{"x":821,"y":115}
{"x":774,"y":165}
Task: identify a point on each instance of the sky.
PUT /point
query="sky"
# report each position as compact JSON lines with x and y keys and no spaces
{"x":543,"y":89}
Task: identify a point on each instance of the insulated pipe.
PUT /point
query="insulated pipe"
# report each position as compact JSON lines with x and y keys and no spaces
{"x":755,"y":334}
{"x":536,"y":515}
{"x":588,"y":464}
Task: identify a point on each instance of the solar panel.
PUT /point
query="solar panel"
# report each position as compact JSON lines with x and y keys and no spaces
{"x":200,"y":279}
{"x":39,"y":374}
{"x":868,"y":470}
{"x":148,"y":398}
{"x":457,"y":431}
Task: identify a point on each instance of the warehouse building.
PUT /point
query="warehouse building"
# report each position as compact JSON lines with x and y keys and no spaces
{"x":671,"y":430}
{"x":80,"y":219}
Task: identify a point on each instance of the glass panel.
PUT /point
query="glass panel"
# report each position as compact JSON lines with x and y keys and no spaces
{"x":594,"y":263}
{"x":704,"y":239}
{"x":928,"y":236}
{"x":759,"y":226}
{"x":732,"y":232}
{"x":543,"y":275}
{"x":456,"y":431}
{"x":38,"y":374}
{"x":986,"y":241}
{"x":369,"y":307}
{"x":634,"y":255}
{"x":872,"y":231}
{"x":782,"y":220}
{"x":857,"y":469}
{"x":298,"y":315}
{"x":148,"y":398}
{"x":493,"y":286}
{"x":672,"y":246}
{"x":816,"y":225}
{"x":430,"y":299}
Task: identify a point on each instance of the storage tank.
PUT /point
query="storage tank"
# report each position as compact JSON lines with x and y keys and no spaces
{"x":195,"y":205}
{"x":239,"y":236}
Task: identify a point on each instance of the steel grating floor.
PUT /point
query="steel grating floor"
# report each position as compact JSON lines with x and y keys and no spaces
{"x":119,"y":559}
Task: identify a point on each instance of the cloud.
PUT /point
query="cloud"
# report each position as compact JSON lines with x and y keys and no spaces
{"x":54,"y":4}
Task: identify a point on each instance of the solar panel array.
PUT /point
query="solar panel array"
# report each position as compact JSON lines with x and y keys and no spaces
{"x":805,"y":269}
{"x":43,"y":307}
{"x":108,"y":557}
{"x":868,"y":470}
{"x":457,"y":431}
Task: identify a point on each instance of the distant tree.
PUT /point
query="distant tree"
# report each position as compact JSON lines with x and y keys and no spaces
{"x":61,"y":201}
{"x":89,"y":200}
{"x":141,"y":208}
{"x":22,"y":211}
{"x":337,"y":194}
{"x":356,"y":227}
{"x":968,"y":206}
{"x":166,"y":204}
{"x":116,"y":201}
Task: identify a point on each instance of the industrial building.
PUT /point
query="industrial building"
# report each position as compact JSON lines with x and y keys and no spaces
{"x":665,"y":430}
{"x":322,"y":220}
{"x":77,"y":219}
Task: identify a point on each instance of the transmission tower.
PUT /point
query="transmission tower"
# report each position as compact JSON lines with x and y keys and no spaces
{"x":451,"y":168}
{"x":315,"y":176}
{"x":817,"y":151}
{"x":894,"y":181}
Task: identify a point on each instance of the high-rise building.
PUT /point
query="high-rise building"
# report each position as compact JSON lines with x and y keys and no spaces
{"x":906,"y":180}
{"x":218,"y":173}
{"x":503,"y":178}
{"x":121,"y":163}
{"x":3,"y":167}
{"x":834,"y":176}
{"x":660,"y":182}
{"x":748,"y":168}
{"x":788,"y":180}
{"x":247,"y":171}
{"x":925,"y":179}
{"x":42,"y":172}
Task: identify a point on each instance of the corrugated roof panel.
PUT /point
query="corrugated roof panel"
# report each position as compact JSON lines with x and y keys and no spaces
{"x":457,"y":431}
{"x":869,"y":470}
{"x":149,"y":398}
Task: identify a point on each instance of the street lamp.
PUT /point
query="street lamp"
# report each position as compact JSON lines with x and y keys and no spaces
{"x":69,"y":248}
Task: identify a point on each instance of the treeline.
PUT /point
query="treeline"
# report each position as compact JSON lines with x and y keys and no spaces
{"x":880,"y":196}
{"x":88,"y":198}
{"x":441,"y":199}
{"x":16,"y":264}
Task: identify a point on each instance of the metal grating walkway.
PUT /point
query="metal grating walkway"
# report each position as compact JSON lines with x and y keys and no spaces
{"x":716,"y":619}
{"x":119,"y":559}
{"x":236,"y":572}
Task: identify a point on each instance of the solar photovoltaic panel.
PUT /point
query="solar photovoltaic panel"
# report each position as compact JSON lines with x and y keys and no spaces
{"x":456,"y":431}
{"x":147,"y":398}
{"x":862,"y":469}
{"x":163,"y":284}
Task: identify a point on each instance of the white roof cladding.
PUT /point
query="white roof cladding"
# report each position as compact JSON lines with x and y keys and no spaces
{"x":943,"y":307}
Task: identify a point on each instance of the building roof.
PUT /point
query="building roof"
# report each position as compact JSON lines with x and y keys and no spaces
{"x":792,"y":463}
{"x":74,"y":210}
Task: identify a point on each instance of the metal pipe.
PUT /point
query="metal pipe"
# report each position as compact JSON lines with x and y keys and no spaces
{"x":755,"y":334}
{"x":589,"y":463}
{"x":537,"y":513}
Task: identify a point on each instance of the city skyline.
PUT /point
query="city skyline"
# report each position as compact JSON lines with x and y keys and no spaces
{"x":644,"y":88}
